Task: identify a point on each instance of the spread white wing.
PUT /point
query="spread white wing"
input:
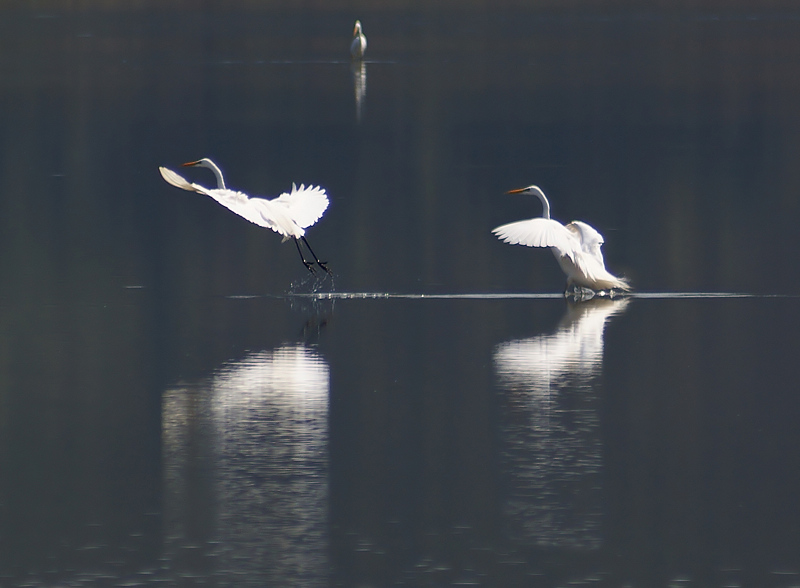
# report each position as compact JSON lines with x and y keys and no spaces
{"x":591,"y":240}
{"x":304,"y":205}
{"x":540,"y":232}
{"x":288,"y":214}
{"x":237,"y":202}
{"x":180,"y":182}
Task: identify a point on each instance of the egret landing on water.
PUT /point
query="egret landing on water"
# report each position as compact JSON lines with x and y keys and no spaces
{"x":576,"y":246}
{"x":359,"y":44}
{"x":288,"y":214}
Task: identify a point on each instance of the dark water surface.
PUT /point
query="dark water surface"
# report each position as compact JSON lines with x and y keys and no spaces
{"x":182,"y":404}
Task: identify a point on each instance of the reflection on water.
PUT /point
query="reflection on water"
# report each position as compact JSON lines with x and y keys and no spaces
{"x":246,"y":469}
{"x":551,"y":437}
{"x":359,"y":71}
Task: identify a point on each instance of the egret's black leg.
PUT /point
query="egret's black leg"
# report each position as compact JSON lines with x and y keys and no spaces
{"x":309,"y":266}
{"x":314,"y":255}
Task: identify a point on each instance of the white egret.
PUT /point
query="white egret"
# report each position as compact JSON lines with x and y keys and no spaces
{"x":575,"y":246}
{"x":288,"y":215}
{"x":359,"y":44}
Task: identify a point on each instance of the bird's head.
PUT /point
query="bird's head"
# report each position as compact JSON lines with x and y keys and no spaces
{"x":207,"y":163}
{"x":357,"y":28}
{"x":199,"y":163}
{"x":536,"y":190}
{"x":528,"y":190}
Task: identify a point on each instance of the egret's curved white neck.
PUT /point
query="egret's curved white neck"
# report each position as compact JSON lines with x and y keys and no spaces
{"x":543,"y":198}
{"x":217,"y":172}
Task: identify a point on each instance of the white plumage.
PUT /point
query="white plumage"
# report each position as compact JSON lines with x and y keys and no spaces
{"x":577,"y":246}
{"x":358,"y":46}
{"x":288,"y":215}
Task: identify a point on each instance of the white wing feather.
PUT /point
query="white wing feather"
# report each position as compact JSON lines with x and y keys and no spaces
{"x":591,"y":241}
{"x":234,"y":201}
{"x":591,"y":269}
{"x":304,"y":205}
{"x":577,"y":247}
{"x":288,"y":214}
{"x":243,"y":205}
{"x":540,"y":232}
{"x":180,"y":182}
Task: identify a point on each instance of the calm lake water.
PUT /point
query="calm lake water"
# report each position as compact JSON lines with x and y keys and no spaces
{"x":181,"y":403}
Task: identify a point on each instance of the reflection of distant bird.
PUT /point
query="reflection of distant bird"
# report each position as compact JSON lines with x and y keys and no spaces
{"x":576,"y":246}
{"x":359,"y":70}
{"x":288,"y":214}
{"x":359,"y":45}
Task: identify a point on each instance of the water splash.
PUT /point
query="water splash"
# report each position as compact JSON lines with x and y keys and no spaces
{"x":524,"y":295}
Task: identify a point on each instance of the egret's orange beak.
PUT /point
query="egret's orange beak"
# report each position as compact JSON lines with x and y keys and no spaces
{"x":517,"y":191}
{"x":190,"y":163}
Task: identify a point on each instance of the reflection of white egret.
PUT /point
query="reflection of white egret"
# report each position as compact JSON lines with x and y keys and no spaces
{"x":576,"y":246}
{"x":289,"y":214}
{"x":576,"y":348}
{"x":359,"y":71}
{"x":359,"y":44}
{"x":552,"y":446}
{"x":258,"y":428}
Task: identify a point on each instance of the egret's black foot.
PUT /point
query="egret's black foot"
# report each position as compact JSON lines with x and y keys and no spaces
{"x":310,"y":267}
{"x":324,"y":266}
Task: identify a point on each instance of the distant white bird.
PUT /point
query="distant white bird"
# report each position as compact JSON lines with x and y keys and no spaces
{"x":575,"y":246}
{"x":288,"y":214}
{"x":359,"y":44}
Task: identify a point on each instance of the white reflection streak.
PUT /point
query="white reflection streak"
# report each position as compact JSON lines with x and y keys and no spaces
{"x":552,"y":446}
{"x":359,"y":71}
{"x":262,"y":425}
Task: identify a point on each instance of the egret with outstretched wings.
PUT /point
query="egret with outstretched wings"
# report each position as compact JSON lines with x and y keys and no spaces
{"x":575,"y":246}
{"x":289,"y":215}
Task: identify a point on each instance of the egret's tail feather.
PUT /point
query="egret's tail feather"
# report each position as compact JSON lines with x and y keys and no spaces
{"x":623,"y":284}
